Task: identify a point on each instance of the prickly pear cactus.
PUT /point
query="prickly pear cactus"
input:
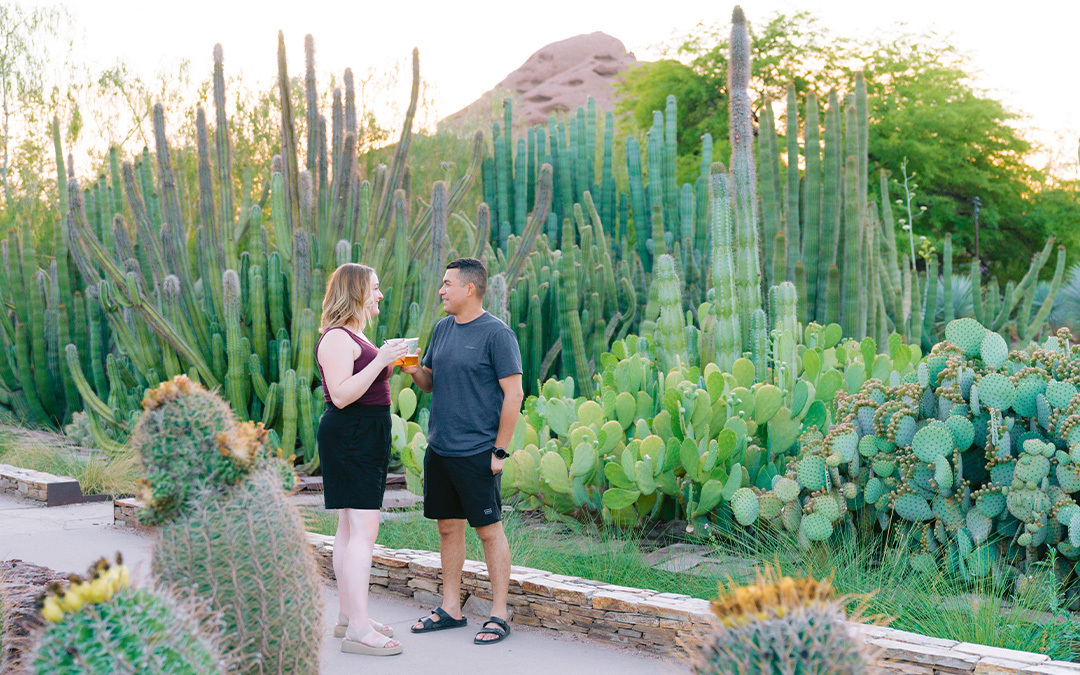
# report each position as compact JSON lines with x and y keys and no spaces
{"x":975,"y":442}
{"x":679,"y":444}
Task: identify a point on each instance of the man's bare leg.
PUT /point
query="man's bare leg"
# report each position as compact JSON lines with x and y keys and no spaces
{"x":452,"y":553}
{"x":497,"y":557}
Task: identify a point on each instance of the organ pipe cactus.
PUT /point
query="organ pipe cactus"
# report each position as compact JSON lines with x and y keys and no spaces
{"x":160,"y":326}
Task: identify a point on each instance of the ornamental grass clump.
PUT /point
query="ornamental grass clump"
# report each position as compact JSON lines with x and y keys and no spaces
{"x":779,"y":626}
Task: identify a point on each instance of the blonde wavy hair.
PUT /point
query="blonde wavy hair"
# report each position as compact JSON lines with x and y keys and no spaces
{"x":347,"y":293}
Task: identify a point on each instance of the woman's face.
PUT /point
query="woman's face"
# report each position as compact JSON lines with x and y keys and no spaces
{"x":372,"y":307}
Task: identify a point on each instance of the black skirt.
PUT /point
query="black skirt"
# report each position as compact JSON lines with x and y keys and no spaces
{"x":354,"y":451}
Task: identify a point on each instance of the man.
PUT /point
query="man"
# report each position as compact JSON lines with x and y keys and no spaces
{"x":472,"y":368}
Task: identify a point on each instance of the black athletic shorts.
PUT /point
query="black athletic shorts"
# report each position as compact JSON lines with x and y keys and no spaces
{"x":462,"y":488}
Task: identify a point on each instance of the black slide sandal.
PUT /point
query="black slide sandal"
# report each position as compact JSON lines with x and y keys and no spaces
{"x":445,"y":622}
{"x":502,"y":630}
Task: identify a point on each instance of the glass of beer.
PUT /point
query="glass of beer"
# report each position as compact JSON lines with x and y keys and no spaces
{"x":412,"y":358}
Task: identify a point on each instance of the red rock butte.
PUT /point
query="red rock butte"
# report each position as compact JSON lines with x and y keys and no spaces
{"x":557,"y":78}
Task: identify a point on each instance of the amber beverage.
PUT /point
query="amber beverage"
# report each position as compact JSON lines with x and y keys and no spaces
{"x":413,"y":357}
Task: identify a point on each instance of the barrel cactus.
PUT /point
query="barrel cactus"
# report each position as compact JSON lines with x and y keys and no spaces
{"x":779,"y":625}
{"x":228,"y":524}
{"x":102,"y":625}
{"x":188,"y":440}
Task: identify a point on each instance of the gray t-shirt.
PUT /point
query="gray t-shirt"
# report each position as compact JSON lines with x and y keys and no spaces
{"x":467,"y":360}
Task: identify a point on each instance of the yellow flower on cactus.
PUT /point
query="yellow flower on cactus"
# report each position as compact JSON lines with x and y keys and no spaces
{"x":105,"y":581}
{"x":71,"y":602}
{"x":771,"y":595}
{"x":51,"y":610}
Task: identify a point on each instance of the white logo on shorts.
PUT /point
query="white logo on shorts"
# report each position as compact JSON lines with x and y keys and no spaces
{"x":487,"y":512}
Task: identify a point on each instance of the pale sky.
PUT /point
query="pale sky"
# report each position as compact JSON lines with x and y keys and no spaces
{"x":1026,"y":53}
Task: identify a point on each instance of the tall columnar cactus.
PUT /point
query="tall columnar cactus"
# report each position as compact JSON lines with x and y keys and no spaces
{"x":743,"y":174}
{"x":728,"y":339}
{"x":815,"y":250}
{"x":228,"y":522}
{"x":791,"y":213}
{"x":769,"y":173}
{"x":671,"y":333}
{"x":783,"y":302}
{"x":854,"y":289}
{"x":831,"y":210}
{"x":236,"y":382}
{"x":102,"y":626}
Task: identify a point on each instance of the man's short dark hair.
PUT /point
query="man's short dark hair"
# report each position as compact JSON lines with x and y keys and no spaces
{"x":472,"y":271}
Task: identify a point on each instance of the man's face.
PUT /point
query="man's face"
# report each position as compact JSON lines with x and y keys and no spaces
{"x":454,"y":292}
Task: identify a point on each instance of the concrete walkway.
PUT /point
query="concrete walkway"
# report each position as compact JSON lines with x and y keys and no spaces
{"x":70,"y":538}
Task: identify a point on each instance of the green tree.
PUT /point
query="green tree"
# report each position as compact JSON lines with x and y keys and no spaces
{"x":925,"y":107}
{"x":795,"y":48}
{"x":37,"y":77}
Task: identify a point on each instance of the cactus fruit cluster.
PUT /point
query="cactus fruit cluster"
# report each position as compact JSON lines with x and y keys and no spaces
{"x":779,"y":625}
{"x":105,"y":580}
{"x":102,"y":625}
{"x":224,"y":520}
{"x":977,"y":450}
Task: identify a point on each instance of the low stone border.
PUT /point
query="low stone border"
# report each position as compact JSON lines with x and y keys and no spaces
{"x":648,"y":620}
{"x":44,"y":487}
{"x":656,"y":622}
{"x":126,"y":512}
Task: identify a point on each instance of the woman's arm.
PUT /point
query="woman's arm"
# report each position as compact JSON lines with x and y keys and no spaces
{"x":336,"y":355}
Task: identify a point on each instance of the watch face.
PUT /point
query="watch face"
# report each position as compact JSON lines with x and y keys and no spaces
{"x":500,"y":453}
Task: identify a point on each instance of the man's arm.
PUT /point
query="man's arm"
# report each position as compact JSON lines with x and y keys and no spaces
{"x":513,"y":395}
{"x":421,"y":375}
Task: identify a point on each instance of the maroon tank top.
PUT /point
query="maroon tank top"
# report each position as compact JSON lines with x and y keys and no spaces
{"x":379,"y":391}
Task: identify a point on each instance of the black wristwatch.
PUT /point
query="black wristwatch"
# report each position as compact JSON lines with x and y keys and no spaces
{"x":500,"y":453}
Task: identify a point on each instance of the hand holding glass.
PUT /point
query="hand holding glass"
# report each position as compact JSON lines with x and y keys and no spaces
{"x":413,"y":357}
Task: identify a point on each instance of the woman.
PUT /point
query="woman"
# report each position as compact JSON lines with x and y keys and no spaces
{"x":354,"y":445}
